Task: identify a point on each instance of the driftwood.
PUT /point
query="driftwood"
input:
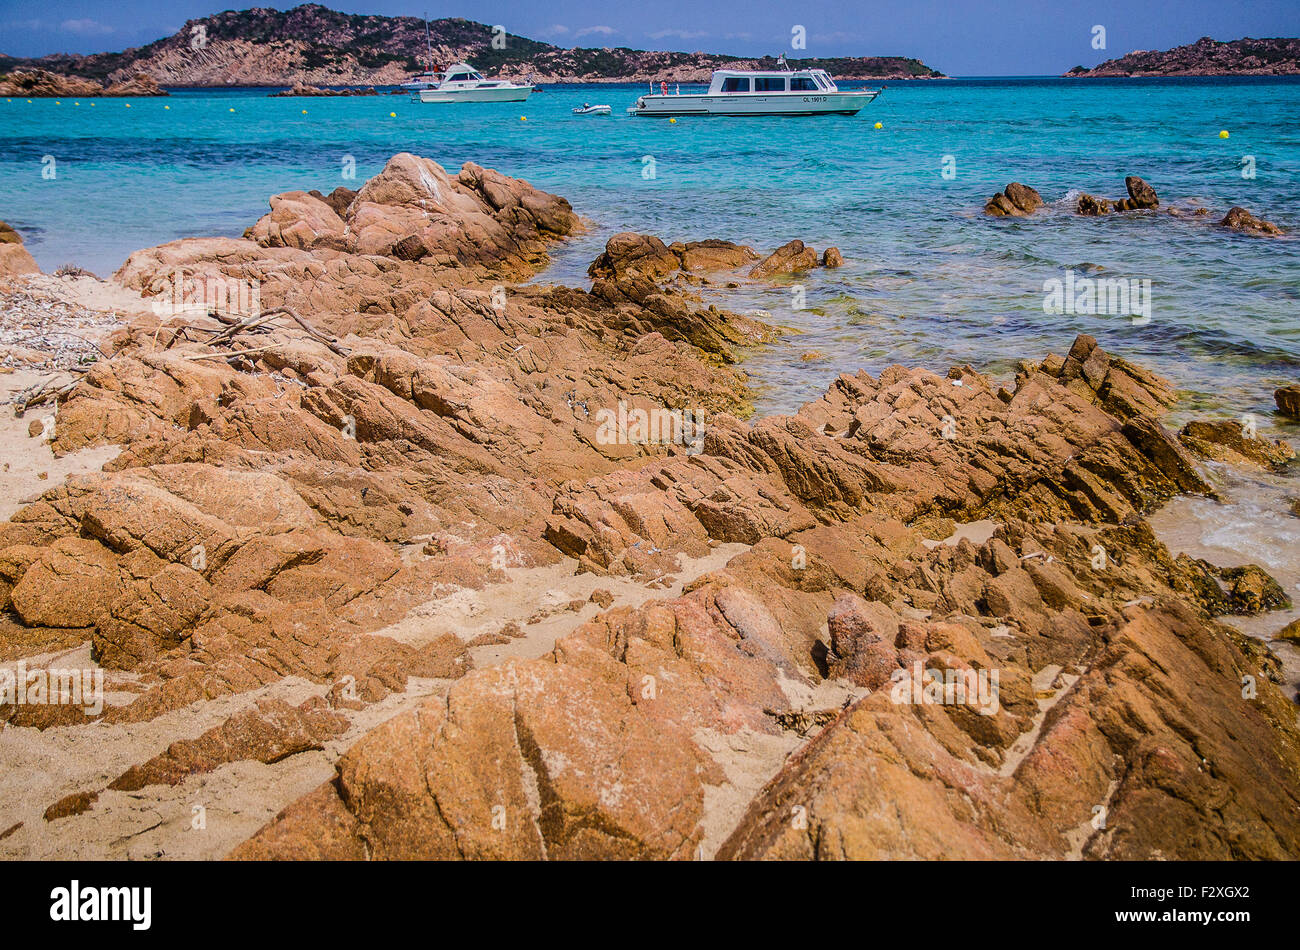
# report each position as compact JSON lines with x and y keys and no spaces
{"x":42,"y":392}
{"x":233,"y":354}
{"x":258,"y":322}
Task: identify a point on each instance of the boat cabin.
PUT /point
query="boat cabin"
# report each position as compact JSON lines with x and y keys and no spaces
{"x":461,"y":73}
{"x":736,"y":82}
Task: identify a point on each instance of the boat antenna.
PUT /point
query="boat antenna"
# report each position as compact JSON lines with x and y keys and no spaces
{"x":428,"y":43}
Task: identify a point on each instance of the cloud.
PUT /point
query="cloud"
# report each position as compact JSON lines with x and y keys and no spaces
{"x":24,"y":25}
{"x":556,"y":30}
{"x":738,"y":36}
{"x":85,"y":27}
{"x":602,"y":30}
{"x":676,"y":34}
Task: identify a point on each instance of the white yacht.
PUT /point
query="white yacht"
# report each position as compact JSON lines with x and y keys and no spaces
{"x":463,"y":83}
{"x":758,"y":92}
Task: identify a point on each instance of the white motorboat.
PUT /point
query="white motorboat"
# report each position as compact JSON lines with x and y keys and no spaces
{"x":463,"y":83}
{"x":759,"y":92}
{"x":588,"y":109}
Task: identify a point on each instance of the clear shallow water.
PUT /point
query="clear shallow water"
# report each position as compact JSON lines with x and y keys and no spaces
{"x":929,"y":280}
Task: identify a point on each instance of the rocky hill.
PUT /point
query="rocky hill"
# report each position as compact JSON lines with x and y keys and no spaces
{"x":314,"y":45}
{"x":1278,"y":56}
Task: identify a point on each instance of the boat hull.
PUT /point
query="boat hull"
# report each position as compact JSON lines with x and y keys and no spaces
{"x":513,"y":94}
{"x":828,"y":103}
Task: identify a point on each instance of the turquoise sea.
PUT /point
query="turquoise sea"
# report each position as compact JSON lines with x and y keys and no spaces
{"x":929,"y":279}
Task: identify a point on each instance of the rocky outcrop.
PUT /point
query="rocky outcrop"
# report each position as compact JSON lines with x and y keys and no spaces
{"x":14,"y":258}
{"x":140,"y":84}
{"x":947,"y":627}
{"x":1091,"y":206}
{"x":1141,"y":196}
{"x":43,"y":83}
{"x":1015,"y":201}
{"x":1206,"y":57}
{"x":268,"y":732}
{"x":1239,"y":219}
{"x":302,"y":89}
{"x":1234,"y":441}
{"x":249,"y":530}
{"x":1106,"y":747}
{"x":34,"y":83}
{"x":1288,"y":400}
{"x":790,"y":258}
{"x":833,"y":501}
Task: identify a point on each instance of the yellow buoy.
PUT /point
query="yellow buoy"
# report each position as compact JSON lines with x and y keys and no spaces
{"x":166,"y":107}
{"x":128,"y":105}
{"x":304,"y":111}
{"x":1223,"y":134}
{"x":57,"y":102}
{"x":880,"y":125}
{"x":523,"y":118}
{"x":232,"y":110}
{"x":29,"y":102}
{"x":392,"y":115}
{"x":672,"y":121}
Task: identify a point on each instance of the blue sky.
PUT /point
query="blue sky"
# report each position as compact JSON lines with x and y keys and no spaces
{"x":960,"y":37}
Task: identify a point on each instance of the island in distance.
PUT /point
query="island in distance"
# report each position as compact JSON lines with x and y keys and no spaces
{"x":1278,"y":56}
{"x":313,"y":45}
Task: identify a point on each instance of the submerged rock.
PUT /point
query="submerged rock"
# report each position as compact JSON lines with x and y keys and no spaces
{"x":1092,"y":206}
{"x":790,"y":258}
{"x":1016,"y":200}
{"x":1288,"y":400}
{"x":1141,"y":197}
{"x":1239,"y":219}
{"x":1228,"y":440}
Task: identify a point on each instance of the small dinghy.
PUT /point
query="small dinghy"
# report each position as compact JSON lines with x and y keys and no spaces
{"x":588,"y":109}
